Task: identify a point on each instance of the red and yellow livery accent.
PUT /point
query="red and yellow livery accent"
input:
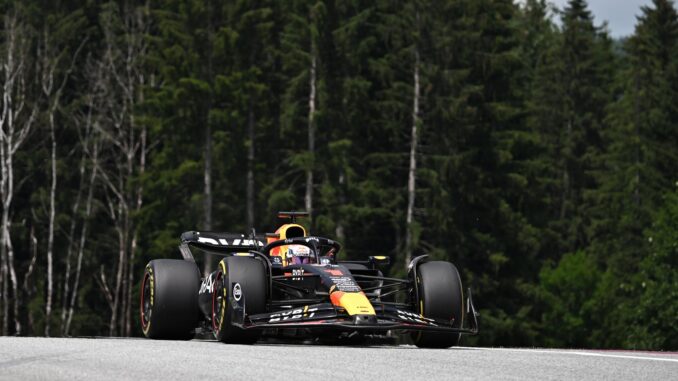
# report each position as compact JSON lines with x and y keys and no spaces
{"x":355,"y":303}
{"x":284,"y":232}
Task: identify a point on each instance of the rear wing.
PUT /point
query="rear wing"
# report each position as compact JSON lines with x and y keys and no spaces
{"x":218,"y":243}
{"x":293,"y":215}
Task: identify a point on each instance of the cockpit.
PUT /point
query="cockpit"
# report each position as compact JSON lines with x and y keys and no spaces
{"x":295,"y":253}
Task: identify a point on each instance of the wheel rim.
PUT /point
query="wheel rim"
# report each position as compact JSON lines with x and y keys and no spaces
{"x":146,"y":301}
{"x":217,"y":302}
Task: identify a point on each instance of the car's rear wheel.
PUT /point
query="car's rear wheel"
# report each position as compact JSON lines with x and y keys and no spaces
{"x":242,"y":280}
{"x":440,"y":297}
{"x":169,"y":299}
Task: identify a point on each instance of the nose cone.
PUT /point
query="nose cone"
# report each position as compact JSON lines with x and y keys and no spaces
{"x":364,"y":319}
{"x":355,"y":303}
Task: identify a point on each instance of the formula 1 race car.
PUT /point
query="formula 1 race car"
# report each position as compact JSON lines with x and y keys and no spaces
{"x":294,"y":286}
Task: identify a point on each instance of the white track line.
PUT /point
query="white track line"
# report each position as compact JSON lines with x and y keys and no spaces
{"x":579,"y":353}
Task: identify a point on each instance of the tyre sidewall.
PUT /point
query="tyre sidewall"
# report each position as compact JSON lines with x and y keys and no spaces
{"x":250,"y":275}
{"x":440,"y":297}
{"x":173,"y":296}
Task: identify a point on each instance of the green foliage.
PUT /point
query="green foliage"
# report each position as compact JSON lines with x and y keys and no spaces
{"x":639,"y":170}
{"x":567,"y":293}
{"x":654,"y":313}
{"x":545,"y":159}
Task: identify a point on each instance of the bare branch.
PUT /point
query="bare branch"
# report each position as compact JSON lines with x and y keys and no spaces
{"x":103,"y":285}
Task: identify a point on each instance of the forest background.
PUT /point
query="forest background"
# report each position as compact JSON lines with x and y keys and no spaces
{"x":517,"y":140}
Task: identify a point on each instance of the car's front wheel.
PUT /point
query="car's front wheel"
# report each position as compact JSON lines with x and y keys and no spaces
{"x":440,"y":297}
{"x":240,"y":280}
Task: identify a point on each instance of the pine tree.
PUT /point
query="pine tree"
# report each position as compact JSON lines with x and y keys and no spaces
{"x":640,"y":166}
{"x":654,"y":312}
{"x":586,"y":79}
{"x":539,"y":48}
{"x":177,"y":108}
{"x":473,"y":175}
{"x":568,"y":106}
{"x":299,"y":108}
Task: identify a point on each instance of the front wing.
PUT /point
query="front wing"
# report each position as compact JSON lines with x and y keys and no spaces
{"x":327,"y":316}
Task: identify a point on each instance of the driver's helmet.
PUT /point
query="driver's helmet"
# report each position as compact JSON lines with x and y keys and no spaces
{"x":299,"y":254}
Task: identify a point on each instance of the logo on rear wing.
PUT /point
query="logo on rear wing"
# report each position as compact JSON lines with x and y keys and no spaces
{"x":233,"y":242}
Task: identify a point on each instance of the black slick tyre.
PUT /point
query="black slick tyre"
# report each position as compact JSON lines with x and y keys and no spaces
{"x":169,"y":299}
{"x":238,"y":278}
{"x":440,"y":297}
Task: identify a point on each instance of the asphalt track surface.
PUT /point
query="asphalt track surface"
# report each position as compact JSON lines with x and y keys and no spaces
{"x":141,"y":359}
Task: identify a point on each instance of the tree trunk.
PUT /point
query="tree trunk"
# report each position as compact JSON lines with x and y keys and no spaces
{"x":71,"y":244}
{"x":50,"y":58}
{"x":207,"y":222}
{"x":250,"y":166}
{"x":127,"y":327}
{"x":15,"y":286}
{"x":50,"y":236}
{"x":124,"y":78}
{"x":308,"y":199}
{"x":27,"y":285}
{"x":411,"y":179}
{"x":4,"y":272}
{"x":119,"y":274}
{"x":14,"y":128}
{"x":339,"y":229}
{"x":4,"y":233}
{"x":208,"y":201}
{"x":133,"y":248}
{"x":8,"y":171}
{"x":81,"y":245}
{"x":637,"y":116}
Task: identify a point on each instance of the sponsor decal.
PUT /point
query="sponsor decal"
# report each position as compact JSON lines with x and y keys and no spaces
{"x":345,"y":283}
{"x":309,"y":239}
{"x":211,"y":241}
{"x":334,"y":272}
{"x":207,"y":285}
{"x":246,"y":242}
{"x":235,"y":242}
{"x":146,"y":319}
{"x":292,"y":314}
{"x":298,"y":273}
{"x":151,"y":280}
{"x":411,"y":316}
{"x":237,"y":292}
{"x":299,"y":250}
{"x":276,"y":260}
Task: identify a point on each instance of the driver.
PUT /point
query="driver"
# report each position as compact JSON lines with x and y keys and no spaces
{"x":299,"y":254}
